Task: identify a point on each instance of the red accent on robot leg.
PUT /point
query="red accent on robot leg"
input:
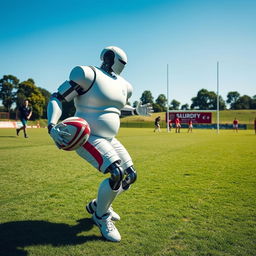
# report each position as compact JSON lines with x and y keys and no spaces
{"x":94,"y":152}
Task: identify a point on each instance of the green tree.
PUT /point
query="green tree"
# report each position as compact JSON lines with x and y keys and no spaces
{"x":244,"y":102}
{"x":232,"y":98}
{"x":8,"y":84}
{"x":253,"y":102}
{"x":135,"y":103}
{"x":174,"y":105}
{"x":28,"y":90}
{"x":222,"y":103}
{"x":146,"y":97}
{"x":202,"y":100}
{"x":207,"y":100}
{"x":46,"y":94}
{"x":161,"y":102}
{"x":157,"y":108}
{"x":184,"y":107}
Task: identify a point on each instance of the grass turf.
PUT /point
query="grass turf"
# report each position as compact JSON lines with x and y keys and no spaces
{"x":195,"y":196}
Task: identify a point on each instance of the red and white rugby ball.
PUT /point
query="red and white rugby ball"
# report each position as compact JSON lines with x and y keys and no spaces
{"x":79,"y":131}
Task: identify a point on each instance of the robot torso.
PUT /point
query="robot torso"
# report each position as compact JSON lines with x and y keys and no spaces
{"x":100,"y":106}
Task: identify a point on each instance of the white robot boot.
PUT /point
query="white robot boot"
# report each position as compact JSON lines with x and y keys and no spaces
{"x":92,"y":206}
{"x":102,"y":216}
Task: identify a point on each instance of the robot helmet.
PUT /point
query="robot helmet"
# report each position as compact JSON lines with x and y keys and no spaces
{"x":115,"y":58}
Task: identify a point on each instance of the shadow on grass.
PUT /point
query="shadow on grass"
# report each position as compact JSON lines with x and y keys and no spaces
{"x":14,"y":236}
{"x":8,"y":136}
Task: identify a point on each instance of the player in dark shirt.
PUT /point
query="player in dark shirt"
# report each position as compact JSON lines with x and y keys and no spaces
{"x":157,"y":124}
{"x":25,"y":113}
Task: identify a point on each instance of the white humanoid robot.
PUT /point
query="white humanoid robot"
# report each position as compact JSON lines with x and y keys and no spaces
{"x":100,"y":96}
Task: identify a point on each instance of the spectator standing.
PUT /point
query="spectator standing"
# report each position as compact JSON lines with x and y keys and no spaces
{"x":177,"y":125}
{"x":190,"y":125}
{"x":235,"y":125}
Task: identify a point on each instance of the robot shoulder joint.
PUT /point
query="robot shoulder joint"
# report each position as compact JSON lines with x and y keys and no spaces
{"x":84,"y":76}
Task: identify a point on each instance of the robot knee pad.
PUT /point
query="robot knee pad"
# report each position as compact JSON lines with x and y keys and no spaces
{"x":130,"y":178}
{"x":117,"y":175}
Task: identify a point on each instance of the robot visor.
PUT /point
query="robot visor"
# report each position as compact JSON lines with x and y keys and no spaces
{"x":123,"y":62}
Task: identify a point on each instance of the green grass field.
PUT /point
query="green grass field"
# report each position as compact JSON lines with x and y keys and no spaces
{"x":195,"y":196}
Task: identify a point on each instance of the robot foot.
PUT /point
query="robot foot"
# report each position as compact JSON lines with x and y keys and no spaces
{"x":107,"y":227}
{"x":91,"y":209}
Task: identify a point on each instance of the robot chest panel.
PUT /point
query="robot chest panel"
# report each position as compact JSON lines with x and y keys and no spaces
{"x":106,"y":92}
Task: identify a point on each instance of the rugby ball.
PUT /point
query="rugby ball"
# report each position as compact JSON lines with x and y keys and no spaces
{"x":79,"y":131}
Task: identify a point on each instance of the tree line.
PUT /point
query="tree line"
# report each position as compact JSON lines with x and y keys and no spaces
{"x":13,"y":93}
{"x":204,"y":100}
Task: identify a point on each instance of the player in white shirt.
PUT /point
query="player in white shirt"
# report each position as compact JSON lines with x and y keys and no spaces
{"x":100,"y":96}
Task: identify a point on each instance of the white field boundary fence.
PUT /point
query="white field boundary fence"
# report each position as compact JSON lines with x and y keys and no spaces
{"x":15,"y":124}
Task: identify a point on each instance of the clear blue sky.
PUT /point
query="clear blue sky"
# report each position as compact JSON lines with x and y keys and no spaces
{"x":44,"y":40}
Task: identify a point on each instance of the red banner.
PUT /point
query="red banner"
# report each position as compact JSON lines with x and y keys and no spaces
{"x":196,"y":117}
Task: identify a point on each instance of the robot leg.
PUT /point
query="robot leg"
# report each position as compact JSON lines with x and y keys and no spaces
{"x":109,"y":189}
{"x":130,"y":177}
{"x":117,"y":175}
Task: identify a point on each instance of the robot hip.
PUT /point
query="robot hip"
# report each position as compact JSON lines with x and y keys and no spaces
{"x":102,"y":152}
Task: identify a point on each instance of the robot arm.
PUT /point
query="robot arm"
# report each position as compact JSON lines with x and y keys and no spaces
{"x":141,"y":110}
{"x":81,"y":80}
{"x":54,"y":111}
{"x":127,"y":110}
{"x":144,"y":110}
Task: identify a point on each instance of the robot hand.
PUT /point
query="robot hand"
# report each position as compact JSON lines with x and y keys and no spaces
{"x":144,"y":110}
{"x":58,"y":135}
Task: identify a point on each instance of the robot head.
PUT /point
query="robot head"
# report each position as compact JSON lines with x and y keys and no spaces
{"x":114,"y":59}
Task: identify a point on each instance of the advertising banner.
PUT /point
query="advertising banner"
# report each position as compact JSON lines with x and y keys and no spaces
{"x":196,"y":117}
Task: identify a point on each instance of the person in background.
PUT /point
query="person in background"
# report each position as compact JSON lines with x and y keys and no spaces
{"x":157,"y":124}
{"x":25,"y":113}
{"x":177,"y":125}
{"x":235,"y":125}
{"x":170,"y":125}
{"x":190,"y":125}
